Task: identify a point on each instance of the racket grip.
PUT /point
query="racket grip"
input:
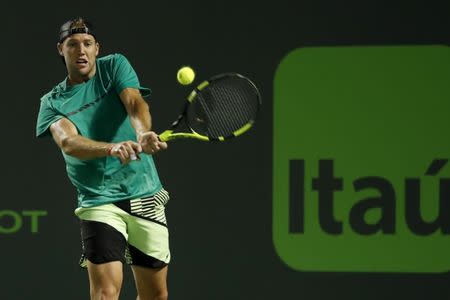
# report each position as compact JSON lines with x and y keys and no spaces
{"x":165,"y":136}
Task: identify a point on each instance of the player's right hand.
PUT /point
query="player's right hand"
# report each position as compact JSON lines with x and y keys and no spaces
{"x":126,"y":151}
{"x":150,"y":142}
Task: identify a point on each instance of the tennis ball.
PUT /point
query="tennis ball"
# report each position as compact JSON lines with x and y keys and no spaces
{"x":185,"y":75}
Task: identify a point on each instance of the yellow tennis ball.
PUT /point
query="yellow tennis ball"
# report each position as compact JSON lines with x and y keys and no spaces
{"x":185,"y":75}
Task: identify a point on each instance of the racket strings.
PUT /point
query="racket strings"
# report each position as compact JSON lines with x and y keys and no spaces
{"x":235,"y":111}
{"x":237,"y":114}
{"x":216,"y":113}
{"x":223,"y":107}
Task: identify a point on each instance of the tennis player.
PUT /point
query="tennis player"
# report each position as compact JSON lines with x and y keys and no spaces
{"x":99,"y":119}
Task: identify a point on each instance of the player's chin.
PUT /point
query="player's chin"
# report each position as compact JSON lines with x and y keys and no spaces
{"x":84,"y":71}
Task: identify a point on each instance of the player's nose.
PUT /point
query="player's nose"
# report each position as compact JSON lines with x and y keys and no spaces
{"x":81,"y":49}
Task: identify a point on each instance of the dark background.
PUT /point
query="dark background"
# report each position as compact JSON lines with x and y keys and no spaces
{"x":220,"y":214}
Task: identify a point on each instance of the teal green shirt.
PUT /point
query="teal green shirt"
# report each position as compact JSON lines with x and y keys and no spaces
{"x":96,"y":110}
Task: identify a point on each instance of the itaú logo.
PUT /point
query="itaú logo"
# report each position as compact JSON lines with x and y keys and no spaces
{"x":12,"y":221}
{"x":364,"y":223}
{"x":382,"y":202}
{"x":361,"y":179}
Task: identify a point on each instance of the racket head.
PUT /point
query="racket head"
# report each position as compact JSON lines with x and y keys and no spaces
{"x":223,"y":107}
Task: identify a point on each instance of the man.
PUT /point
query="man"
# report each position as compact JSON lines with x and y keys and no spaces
{"x":102,"y":124}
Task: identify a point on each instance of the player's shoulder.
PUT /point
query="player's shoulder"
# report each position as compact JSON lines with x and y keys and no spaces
{"x":53,"y":94}
{"x":111,"y":63}
{"x":47,"y":96}
{"x":111,"y":59}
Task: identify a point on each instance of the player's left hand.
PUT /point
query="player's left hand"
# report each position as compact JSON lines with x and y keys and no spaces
{"x":150,"y":142}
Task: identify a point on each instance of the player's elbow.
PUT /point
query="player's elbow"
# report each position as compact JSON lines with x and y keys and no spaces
{"x":66,"y":145}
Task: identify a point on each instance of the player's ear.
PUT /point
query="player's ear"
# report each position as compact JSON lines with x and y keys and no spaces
{"x":59,"y":47}
{"x":98,"y":48}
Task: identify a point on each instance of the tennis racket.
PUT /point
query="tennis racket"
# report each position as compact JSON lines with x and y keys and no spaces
{"x":223,"y":107}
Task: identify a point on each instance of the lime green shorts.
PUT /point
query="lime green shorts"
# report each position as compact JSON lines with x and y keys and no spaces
{"x":132,"y":231}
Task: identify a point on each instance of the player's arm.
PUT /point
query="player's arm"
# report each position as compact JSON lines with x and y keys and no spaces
{"x":141,"y":120}
{"x":71,"y":143}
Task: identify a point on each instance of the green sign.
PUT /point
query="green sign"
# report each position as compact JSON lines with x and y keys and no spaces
{"x":12,"y":221}
{"x":361,"y":146}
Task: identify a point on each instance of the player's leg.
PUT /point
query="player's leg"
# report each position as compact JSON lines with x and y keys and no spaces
{"x":105,"y":280}
{"x":149,"y":250}
{"x":103,"y":233}
{"x":148,"y":243}
{"x":151,"y":284}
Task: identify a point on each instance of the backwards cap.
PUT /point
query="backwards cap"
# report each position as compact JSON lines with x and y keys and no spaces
{"x":77,"y":25}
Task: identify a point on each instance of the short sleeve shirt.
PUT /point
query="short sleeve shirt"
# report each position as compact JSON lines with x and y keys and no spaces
{"x":96,"y":110}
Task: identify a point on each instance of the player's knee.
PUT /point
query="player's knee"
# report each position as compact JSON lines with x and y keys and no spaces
{"x":159,"y":295}
{"x":163,"y":295}
{"x":105,"y":292}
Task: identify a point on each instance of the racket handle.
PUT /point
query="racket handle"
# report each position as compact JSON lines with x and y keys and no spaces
{"x":165,"y":136}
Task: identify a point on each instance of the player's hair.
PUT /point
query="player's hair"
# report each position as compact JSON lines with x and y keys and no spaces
{"x":77,"y":25}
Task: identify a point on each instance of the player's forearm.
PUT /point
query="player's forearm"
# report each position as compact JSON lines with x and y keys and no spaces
{"x":140,"y":117}
{"x":83,"y":148}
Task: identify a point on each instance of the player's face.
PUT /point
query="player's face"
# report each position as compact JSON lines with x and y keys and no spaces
{"x":80,"y":51}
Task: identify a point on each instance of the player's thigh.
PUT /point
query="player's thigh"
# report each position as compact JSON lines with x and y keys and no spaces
{"x":103,"y":233}
{"x":148,"y":235}
{"x":151,"y":283}
{"x":148,"y":243}
{"x":149,"y":250}
{"x":105,"y":275}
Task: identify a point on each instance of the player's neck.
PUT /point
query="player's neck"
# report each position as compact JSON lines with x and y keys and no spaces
{"x":74,"y":79}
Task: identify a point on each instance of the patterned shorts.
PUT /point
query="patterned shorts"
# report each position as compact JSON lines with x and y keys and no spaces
{"x":131,"y":231}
